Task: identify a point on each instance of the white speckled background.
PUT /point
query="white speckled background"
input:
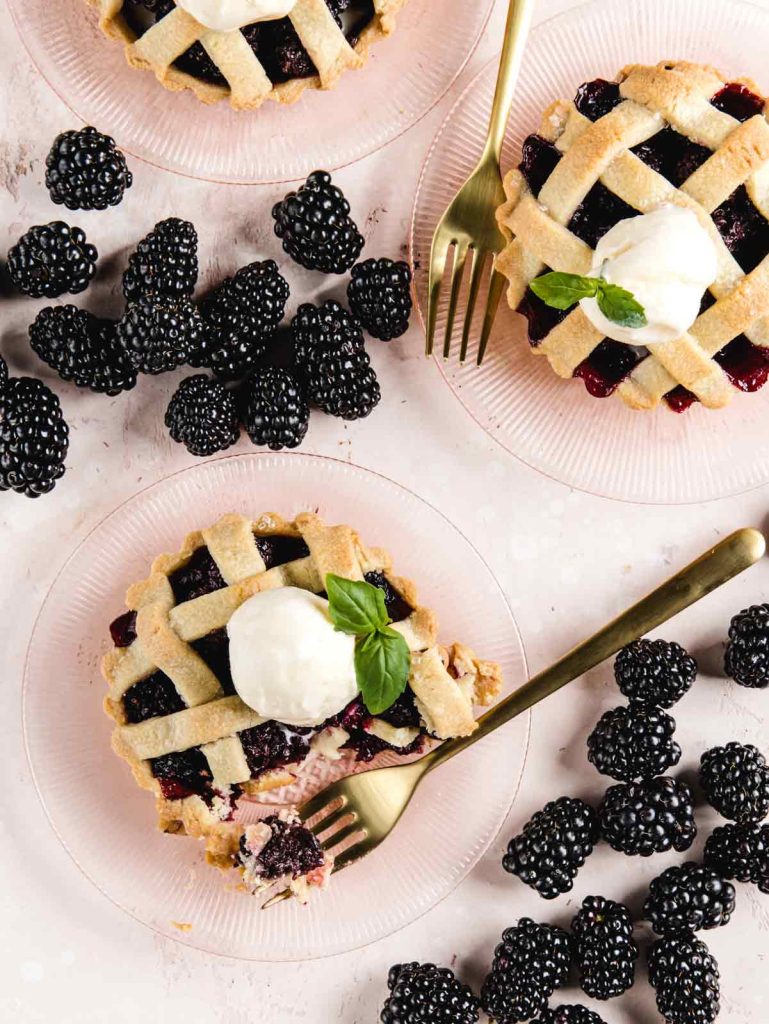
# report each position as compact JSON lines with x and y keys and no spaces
{"x":567,"y":561}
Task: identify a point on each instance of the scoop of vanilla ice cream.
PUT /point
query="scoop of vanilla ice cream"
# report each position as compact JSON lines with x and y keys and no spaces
{"x":666,"y":259}
{"x":230,"y":15}
{"x":287,"y":660}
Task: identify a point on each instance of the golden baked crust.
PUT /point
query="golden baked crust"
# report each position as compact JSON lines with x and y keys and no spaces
{"x":447,"y":681}
{"x":671,"y":93}
{"x":248,"y":84}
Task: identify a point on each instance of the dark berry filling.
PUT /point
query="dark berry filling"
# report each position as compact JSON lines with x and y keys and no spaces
{"x":123,"y":629}
{"x":598,"y":213}
{"x":214,"y":649}
{"x":279,"y":550}
{"x":743,"y":229}
{"x":273,"y":745}
{"x":397,"y":606}
{"x":198,"y":577}
{"x":598,"y":98}
{"x":738,"y":101}
{"x":746,"y":365}
{"x":539,"y":160}
{"x":607,"y":366}
{"x":355,"y":718}
{"x":152,"y":697}
{"x":680,"y":399}
{"x":541,"y":317}
{"x":403,"y":714}
{"x":183,"y":774}
{"x":672,"y":155}
{"x":292,"y":850}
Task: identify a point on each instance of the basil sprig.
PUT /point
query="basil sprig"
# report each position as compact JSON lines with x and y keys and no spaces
{"x":562,"y":291}
{"x":382,"y":658}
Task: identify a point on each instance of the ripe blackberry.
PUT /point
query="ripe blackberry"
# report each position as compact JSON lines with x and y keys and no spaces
{"x":82,"y":348}
{"x":202,"y":415}
{"x":746,"y":659}
{"x":160,"y":333}
{"x":51,"y":259}
{"x":530,"y":963}
{"x":86,"y":171}
{"x":379,"y":294}
{"x":165,"y":262}
{"x":740,"y":852}
{"x":685,"y":976}
{"x":633,"y":742}
{"x":3,"y":373}
{"x":426,"y":994}
{"x":735,"y":779}
{"x":569,"y":1015}
{"x":330,"y":357}
{"x":688,"y":897}
{"x":603,"y":946}
{"x":654,"y":672}
{"x":34,"y":437}
{"x":653,"y":816}
{"x":315,"y":226}
{"x":242,"y":316}
{"x":553,"y":846}
{"x":275,"y":412}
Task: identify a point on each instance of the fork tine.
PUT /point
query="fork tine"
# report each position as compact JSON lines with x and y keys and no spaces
{"x":496,"y":288}
{"x":438,"y":257}
{"x":458,"y":273}
{"x":321,"y":804}
{"x":350,"y":855}
{"x":479,"y":263}
{"x":279,"y":897}
{"x":326,"y":823}
{"x":339,"y":837}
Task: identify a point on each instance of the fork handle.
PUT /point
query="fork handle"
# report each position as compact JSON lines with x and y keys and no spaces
{"x":516,"y":33}
{"x":717,"y":566}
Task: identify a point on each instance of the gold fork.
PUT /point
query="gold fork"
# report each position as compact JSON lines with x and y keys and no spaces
{"x":469,"y":225}
{"x":366,"y":807}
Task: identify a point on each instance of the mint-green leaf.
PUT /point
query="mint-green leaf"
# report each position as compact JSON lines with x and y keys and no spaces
{"x":355,"y":607}
{"x":620,"y":306}
{"x":562,"y":291}
{"x":382,"y":662}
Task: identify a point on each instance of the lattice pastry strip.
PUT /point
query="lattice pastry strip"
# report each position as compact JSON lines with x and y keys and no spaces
{"x":592,"y":151}
{"x":248,"y":83}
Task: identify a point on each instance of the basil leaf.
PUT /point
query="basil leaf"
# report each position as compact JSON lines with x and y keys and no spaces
{"x":620,"y":306}
{"x":355,"y":607}
{"x":382,"y":662}
{"x":562,"y":291}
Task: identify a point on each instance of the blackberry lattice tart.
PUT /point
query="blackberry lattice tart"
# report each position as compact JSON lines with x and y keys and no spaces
{"x":247,"y":51}
{"x":235,"y":666}
{"x":638,"y":233}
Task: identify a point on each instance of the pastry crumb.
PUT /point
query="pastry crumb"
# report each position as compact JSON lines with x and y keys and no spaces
{"x":182,"y":926}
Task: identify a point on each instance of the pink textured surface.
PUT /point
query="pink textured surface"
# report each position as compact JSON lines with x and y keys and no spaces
{"x":567,"y":562}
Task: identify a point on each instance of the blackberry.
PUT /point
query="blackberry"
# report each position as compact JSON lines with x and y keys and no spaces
{"x":202,"y":415}
{"x":86,"y":171}
{"x":379,"y":294}
{"x":275,"y":412}
{"x":165,"y":262}
{"x":633,"y":742}
{"x":688,"y":897}
{"x":603,"y":946}
{"x":426,"y":994}
{"x":316,"y":228}
{"x":330,"y":356}
{"x":51,"y":259}
{"x":34,"y":437}
{"x":159,"y":333}
{"x":653,"y":816}
{"x":3,"y":373}
{"x":735,"y":779}
{"x":685,"y":977}
{"x":654,"y":672}
{"x":530,"y":963}
{"x":242,"y":317}
{"x":740,"y":852}
{"x":746,"y":659}
{"x":82,"y":348}
{"x":569,"y":1015}
{"x":553,"y":846}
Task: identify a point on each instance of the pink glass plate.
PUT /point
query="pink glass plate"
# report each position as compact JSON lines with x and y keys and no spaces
{"x":596,"y":445}
{"x":107,"y":823}
{"x":406,"y":75}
